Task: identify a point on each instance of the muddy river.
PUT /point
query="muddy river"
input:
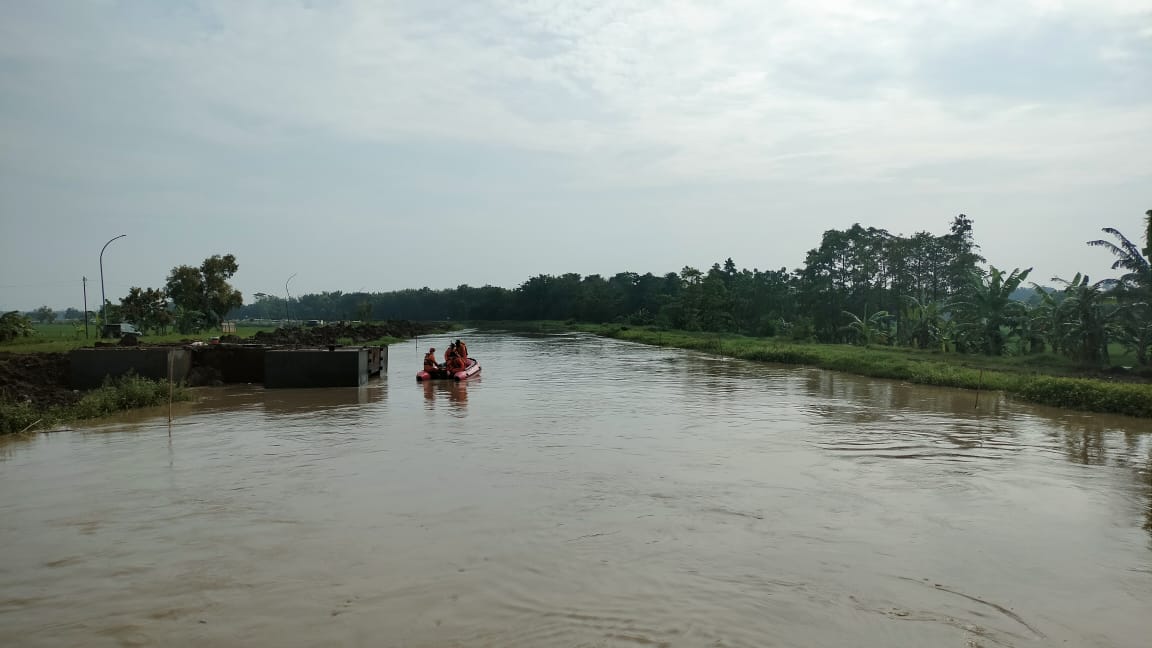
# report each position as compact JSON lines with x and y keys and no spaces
{"x":582,"y":492}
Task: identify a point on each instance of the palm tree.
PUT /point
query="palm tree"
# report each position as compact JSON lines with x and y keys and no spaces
{"x":987,"y":308}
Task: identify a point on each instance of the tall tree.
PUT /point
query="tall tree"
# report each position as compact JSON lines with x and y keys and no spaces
{"x":44,"y":315}
{"x":960,"y":250}
{"x":206,"y":289}
{"x":147,"y":308}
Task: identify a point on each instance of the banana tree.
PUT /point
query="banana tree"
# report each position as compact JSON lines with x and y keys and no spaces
{"x":1133,"y":288}
{"x":1087,"y":314}
{"x":925,"y":321}
{"x":986,"y":308}
{"x":868,"y":329}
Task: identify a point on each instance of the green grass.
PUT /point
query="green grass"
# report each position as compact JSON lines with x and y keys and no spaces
{"x":59,"y":338}
{"x":1048,"y":380}
{"x":128,"y":392}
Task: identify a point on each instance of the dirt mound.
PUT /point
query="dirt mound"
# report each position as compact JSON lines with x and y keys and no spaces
{"x":41,"y":378}
{"x":336,"y":332}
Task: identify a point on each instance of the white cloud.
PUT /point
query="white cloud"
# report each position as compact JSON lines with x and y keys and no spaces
{"x":1011,"y":100}
{"x":724,"y":89}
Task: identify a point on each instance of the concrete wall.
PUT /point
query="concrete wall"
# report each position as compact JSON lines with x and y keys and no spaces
{"x":342,"y":367}
{"x":90,"y":366}
{"x":235,"y":363}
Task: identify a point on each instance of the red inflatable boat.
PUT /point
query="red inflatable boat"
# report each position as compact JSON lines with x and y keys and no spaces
{"x":471,"y":369}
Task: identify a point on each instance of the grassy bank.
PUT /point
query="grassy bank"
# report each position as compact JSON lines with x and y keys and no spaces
{"x":1044,"y":380}
{"x":126,"y":393}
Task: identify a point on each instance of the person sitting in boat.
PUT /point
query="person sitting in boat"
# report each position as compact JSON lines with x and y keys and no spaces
{"x":430,"y":360}
{"x":449,"y":353}
{"x":456,"y":364}
{"x":462,"y":350}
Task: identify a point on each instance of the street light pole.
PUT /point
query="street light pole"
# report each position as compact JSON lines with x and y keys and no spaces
{"x":286,"y":315}
{"x":104,"y":299}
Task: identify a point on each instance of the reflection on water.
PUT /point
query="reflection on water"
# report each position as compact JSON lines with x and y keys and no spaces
{"x":586,"y":492}
{"x":448,"y":393}
{"x":289,"y":402}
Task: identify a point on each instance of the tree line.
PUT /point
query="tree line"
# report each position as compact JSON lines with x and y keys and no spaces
{"x":862,"y":285}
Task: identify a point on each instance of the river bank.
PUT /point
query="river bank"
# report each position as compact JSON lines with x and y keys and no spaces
{"x":1052,"y":384}
{"x":35,"y":392}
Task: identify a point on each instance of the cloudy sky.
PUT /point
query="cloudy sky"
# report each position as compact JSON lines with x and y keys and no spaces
{"x":371,"y":145}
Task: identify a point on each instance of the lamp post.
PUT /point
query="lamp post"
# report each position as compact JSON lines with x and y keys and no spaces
{"x":103,"y":299}
{"x":286,"y":315}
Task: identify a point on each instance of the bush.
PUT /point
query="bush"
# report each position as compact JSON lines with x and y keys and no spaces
{"x":129,"y":392}
{"x":1093,"y":395}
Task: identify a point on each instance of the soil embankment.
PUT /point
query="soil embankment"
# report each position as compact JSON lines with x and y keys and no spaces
{"x":335,"y":332}
{"x":39,"y":378}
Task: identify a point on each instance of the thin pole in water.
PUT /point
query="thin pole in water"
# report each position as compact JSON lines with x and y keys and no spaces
{"x":979,"y":384}
{"x":85,"y":282}
{"x":170,"y":393}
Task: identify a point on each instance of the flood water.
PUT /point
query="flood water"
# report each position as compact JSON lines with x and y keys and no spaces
{"x":582,"y":492}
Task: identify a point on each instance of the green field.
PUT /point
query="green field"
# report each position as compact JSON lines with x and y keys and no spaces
{"x":65,"y":337}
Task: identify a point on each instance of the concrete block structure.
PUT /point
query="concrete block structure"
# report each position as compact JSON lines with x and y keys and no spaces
{"x":331,"y":367}
{"x":89,"y":367}
{"x":235,"y":363}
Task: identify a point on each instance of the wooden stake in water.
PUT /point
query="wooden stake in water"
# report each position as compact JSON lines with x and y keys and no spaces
{"x":979,"y":384}
{"x":170,"y":390}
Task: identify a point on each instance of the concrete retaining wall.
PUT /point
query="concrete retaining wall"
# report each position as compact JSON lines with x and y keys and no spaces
{"x":89,"y":367}
{"x":234,"y":363}
{"x":341,"y":367}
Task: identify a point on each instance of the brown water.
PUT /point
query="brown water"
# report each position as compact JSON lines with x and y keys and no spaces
{"x":583,"y":492}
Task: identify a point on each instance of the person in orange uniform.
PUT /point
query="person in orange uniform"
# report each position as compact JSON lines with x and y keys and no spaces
{"x":449,"y":353}
{"x":462,"y":350}
{"x":456,"y":363}
{"x":430,"y":360}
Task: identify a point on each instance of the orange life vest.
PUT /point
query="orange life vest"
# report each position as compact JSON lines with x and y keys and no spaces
{"x":456,"y":364}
